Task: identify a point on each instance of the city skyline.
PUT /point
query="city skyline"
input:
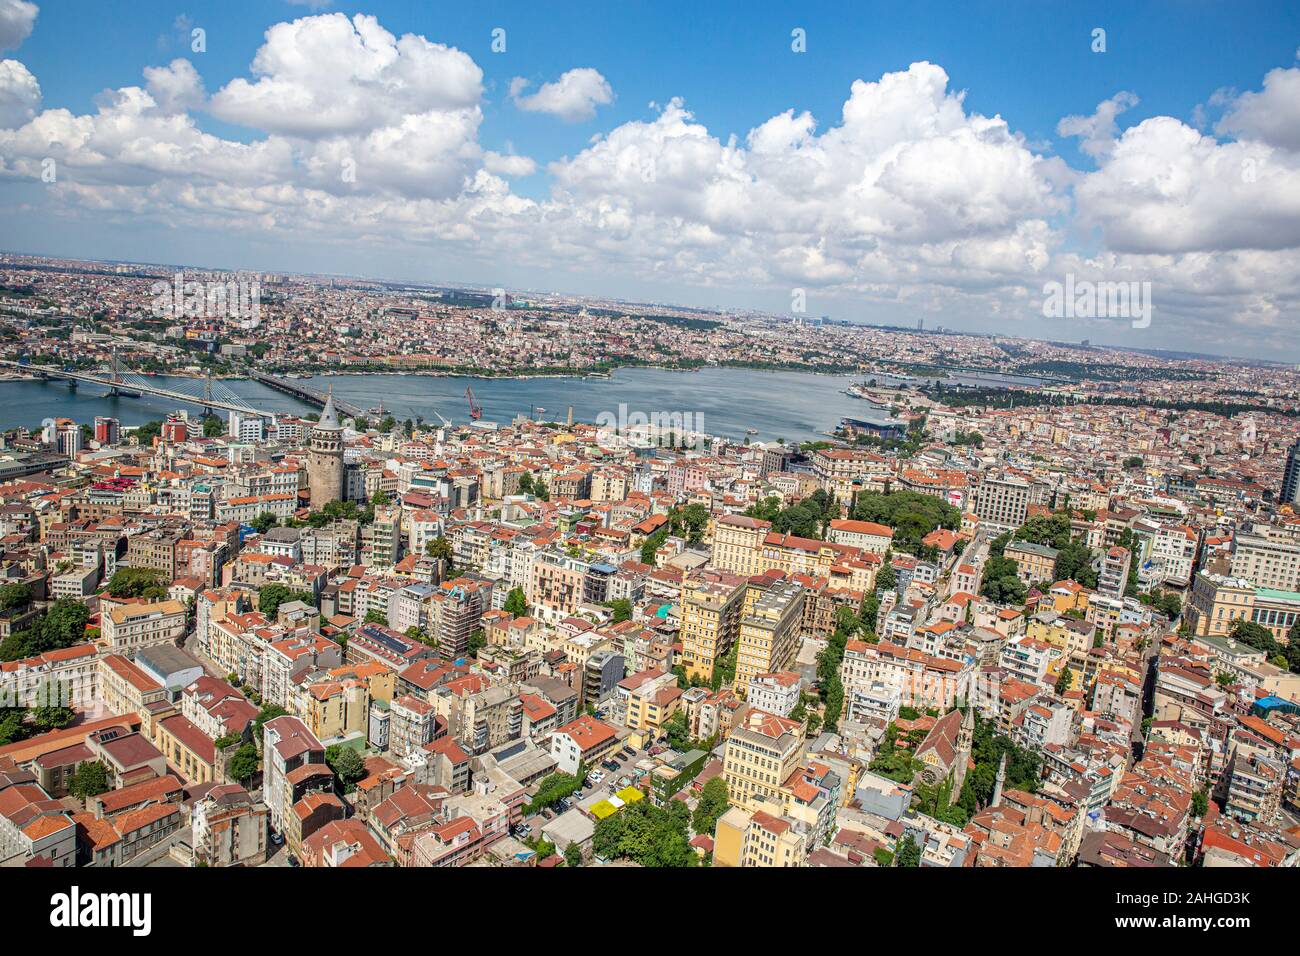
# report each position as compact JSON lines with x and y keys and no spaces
{"x":947,"y":188}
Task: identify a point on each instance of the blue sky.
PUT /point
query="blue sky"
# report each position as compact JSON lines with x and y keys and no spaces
{"x":1030,"y":63}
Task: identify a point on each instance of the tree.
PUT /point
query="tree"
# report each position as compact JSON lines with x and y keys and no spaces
{"x":244,"y":764}
{"x":652,"y":543}
{"x":271,"y":596}
{"x":516,"y":604}
{"x":691,"y":522}
{"x":90,"y":779}
{"x":652,"y":836}
{"x":268,"y":712}
{"x":375,"y":616}
{"x":64,"y":624}
{"x":909,"y":854}
{"x":676,"y":731}
{"x":540,"y":491}
{"x":14,"y":595}
{"x":622,"y":609}
{"x":145,"y":583}
{"x":1254,"y":635}
{"x":573,"y":855}
{"x":264,"y":522}
{"x":346,"y":764}
{"x":1000,"y":583}
{"x":911,"y":514}
{"x":1200,"y":803}
{"x":440,"y":550}
{"x":213,"y":427}
{"x":53,"y":718}
{"x":12,"y":728}
{"x":1065,"y":681}
{"x":711,"y":806}
{"x":554,"y":788}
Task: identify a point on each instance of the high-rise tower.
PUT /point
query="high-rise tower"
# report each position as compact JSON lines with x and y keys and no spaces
{"x":325,"y":459}
{"x":1291,"y":476}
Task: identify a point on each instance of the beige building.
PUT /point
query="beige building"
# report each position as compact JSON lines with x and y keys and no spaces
{"x":738,"y":544}
{"x":867,"y":535}
{"x":760,"y":755}
{"x":758,"y":839}
{"x":129,"y":627}
{"x":769,"y":629}
{"x":337,"y":709}
{"x":1034,"y":562}
{"x":1216,"y":602}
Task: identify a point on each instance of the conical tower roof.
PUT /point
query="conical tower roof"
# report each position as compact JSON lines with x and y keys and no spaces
{"x":328,"y":417}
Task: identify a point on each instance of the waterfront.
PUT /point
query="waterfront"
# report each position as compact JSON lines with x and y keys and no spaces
{"x":797,"y":406}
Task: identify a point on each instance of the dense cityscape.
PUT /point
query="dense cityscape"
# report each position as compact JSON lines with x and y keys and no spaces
{"x":629,"y":441}
{"x":1048,"y":622}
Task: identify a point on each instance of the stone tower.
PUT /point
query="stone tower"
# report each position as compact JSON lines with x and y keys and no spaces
{"x":325,"y":459}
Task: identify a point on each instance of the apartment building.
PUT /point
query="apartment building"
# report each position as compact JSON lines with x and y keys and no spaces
{"x":1266,"y":562}
{"x":290,"y":752}
{"x":710,"y":608}
{"x":649,"y":699}
{"x":229,"y":827}
{"x":1003,"y":503}
{"x":757,"y":839}
{"x":921,"y":680}
{"x":737,"y":544}
{"x":759,"y":756}
{"x":412,"y":724}
{"x":777,"y":693}
{"x":1034,"y":562}
{"x":769,"y":629}
{"x":585,"y":740}
{"x":1113,"y":577}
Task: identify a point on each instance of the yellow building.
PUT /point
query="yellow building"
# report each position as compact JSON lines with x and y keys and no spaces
{"x":652,"y":697}
{"x":758,"y":839}
{"x":381,"y":680}
{"x":711,"y":603}
{"x":337,"y":709}
{"x":738,"y":544}
{"x":760,"y":755}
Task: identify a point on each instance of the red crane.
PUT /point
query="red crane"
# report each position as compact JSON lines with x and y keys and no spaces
{"x":475,"y":410}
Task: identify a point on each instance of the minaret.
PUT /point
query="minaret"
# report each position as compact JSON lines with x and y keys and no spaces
{"x":999,"y":781}
{"x":325,"y":458}
{"x":965,"y":741}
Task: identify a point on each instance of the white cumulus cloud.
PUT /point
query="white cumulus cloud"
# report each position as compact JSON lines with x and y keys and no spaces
{"x":573,"y":97}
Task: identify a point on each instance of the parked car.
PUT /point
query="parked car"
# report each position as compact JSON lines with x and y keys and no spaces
{"x":277,"y":838}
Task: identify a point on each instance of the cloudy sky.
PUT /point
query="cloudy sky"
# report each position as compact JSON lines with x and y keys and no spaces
{"x":942,"y":161}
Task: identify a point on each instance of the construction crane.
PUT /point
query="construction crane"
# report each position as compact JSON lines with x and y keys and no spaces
{"x":475,"y":410}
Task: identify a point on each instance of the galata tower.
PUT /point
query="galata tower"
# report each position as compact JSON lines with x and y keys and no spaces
{"x":325,"y":460}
